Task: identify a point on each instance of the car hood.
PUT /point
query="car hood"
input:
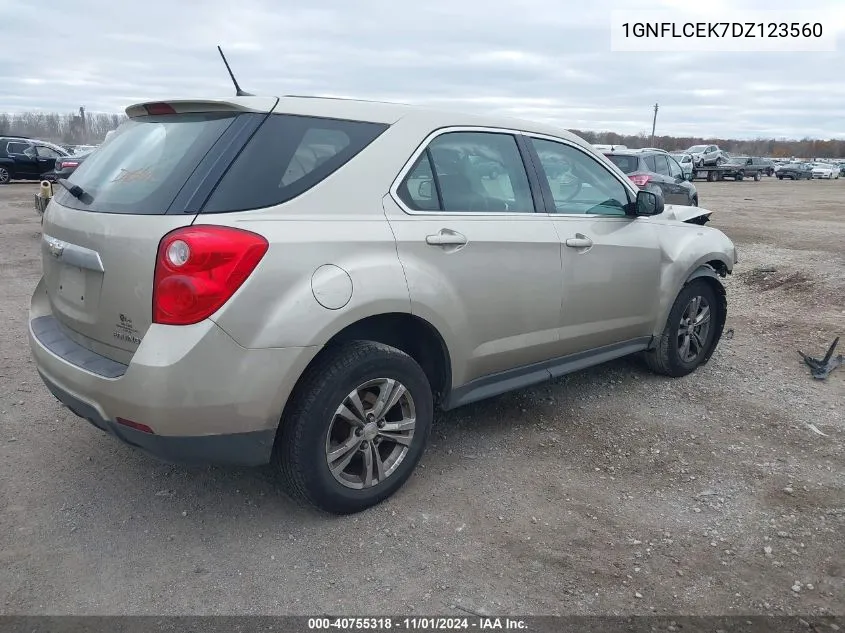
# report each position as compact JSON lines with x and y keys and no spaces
{"x":683,"y":213}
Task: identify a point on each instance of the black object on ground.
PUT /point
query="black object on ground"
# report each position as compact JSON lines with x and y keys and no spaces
{"x":821,"y":368}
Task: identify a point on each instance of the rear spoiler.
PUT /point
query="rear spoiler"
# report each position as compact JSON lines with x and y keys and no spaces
{"x":184,"y":106}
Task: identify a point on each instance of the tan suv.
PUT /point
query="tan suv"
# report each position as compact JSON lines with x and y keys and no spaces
{"x":304,"y":280}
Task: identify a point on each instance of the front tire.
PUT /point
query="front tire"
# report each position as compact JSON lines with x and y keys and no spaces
{"x":5,"y":176}
{"x":691,"y":333}
{"x":355,"y":428}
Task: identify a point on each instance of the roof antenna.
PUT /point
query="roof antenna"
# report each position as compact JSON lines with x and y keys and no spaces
{"x":238,"y":91}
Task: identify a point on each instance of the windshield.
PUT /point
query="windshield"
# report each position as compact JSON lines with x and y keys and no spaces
{"x":145,"y":163}
{"x":681,"y":158}
{"x":628,"y":164}
{"x":697,"y":149}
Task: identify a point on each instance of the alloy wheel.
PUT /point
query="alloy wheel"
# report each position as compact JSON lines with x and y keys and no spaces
{"x":694,"y":329}
{"x":370,"y":433}
{"x":4,"y":176}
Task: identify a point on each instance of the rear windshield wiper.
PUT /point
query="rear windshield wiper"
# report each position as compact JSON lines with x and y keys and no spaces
{"x":75,"y":190}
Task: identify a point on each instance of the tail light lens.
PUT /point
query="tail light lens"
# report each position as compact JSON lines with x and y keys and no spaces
{"x":199,"y":268}
{"x":68,"y":163}
{"x":641,"y":180}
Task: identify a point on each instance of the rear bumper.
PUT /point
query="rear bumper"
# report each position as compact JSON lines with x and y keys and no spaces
{"x":207,"y":399}
{"x":246,"y":449}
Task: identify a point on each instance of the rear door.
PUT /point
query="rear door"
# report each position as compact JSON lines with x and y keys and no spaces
{"x":25,"y":159}
{"x":476,"y":254}
{"x":47,"y":157}
{"x":99,"y":249}
{"x":611,"y":261}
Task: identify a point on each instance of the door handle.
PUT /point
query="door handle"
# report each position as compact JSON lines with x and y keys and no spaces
{"x":446,"y":237}
{"x":581,"y":241}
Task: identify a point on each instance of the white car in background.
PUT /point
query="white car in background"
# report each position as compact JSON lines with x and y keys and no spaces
{"x":684,"y":160}
{"x":825,"y":170}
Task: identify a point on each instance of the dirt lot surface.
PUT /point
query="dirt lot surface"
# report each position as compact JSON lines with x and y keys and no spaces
{"x":608,"y":492}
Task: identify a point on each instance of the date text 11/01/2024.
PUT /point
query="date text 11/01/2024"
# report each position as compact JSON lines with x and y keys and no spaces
{"x":416,"y":623}
{"x":773,"y":30}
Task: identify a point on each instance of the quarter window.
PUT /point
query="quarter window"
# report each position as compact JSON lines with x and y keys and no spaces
{"x":479,"y":172}
{"x":579,"y":183}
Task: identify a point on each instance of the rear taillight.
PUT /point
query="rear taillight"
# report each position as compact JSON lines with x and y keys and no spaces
{"x":641,"y":180}
{"x":199,"y":268}
{"x":65,"y":164}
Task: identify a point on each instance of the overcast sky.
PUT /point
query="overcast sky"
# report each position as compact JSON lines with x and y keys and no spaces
{"x":540,"y":59}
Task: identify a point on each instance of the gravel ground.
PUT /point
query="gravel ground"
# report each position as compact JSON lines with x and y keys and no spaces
{"x":611,"y":491}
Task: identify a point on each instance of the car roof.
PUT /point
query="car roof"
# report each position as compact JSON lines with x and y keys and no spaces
{"x":371,"y":111}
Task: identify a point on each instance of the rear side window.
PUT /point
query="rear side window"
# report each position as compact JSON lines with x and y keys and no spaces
{"x":660,"y":164}
{"x":628,"y":164}
{"x":288,"y":155}
{"x":17,"y":148}
{"x":145,"y":163}
{"x":650,"y":163}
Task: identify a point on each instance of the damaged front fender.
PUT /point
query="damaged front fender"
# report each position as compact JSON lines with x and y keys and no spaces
{"x":690,"y":253}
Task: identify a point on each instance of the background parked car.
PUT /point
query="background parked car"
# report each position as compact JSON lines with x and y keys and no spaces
{"x":650,"y":170}
{"x":685,"y":161}
{"x":707,"y":155}
{"x":26,"y":159}
{"x":65,"y":166}
{"x":824,"y":170}
{"x":795,"y":171}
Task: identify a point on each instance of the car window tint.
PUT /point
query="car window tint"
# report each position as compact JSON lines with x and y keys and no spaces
{"x":288,"y":155}
{"x":650,"y":163}
{"x":479,"y":172}
{"x":660,"y":164}
{"x":417,"y":190}
{"x":579,"y":183}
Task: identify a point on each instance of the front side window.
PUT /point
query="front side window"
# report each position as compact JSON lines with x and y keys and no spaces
{"x":579,"y":183}
{"x":478,"y":172}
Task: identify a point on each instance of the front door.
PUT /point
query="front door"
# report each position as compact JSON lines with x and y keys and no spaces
{"x":481,"y":264}
{"x":611,"y":261}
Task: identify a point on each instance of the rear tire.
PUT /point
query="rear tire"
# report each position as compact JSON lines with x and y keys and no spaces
{"x":757,"y":177}
{"x":314,"y":433}
{"x":683,"y":346}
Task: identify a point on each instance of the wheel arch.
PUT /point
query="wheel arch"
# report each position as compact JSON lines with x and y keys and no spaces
{"x":407,"y":332}
{"x":709,"y":273}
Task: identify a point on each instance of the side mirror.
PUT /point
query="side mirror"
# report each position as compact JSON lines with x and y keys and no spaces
{"x":648,"y":203}
{"x":425,"y":190}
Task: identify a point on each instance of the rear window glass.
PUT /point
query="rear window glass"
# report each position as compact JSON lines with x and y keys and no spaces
{"x":288,"y":155}
{"x":628,"y":164}
{"x":145,"y":163}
